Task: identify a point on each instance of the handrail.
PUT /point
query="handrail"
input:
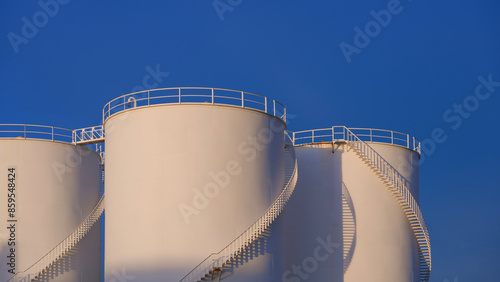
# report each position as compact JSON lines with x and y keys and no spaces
{"x":248,"y":236}
{"x":370,"y":135}
{"x":88,"y":135}
{"x":194,"y":95}
{"x":52,"y":133}
{"x":399,"y":186}
{"x":33,"y":131}
{"x":62,"y":248}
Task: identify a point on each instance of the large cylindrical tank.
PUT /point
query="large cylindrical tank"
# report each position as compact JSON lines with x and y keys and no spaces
{"x":364,"y":217}
{"x":183,"y":181}
{"x":50,"y":187}
{"x":386,"y":248}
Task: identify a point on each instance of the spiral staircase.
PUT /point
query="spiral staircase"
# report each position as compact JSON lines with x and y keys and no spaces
{"x":398,"y":185}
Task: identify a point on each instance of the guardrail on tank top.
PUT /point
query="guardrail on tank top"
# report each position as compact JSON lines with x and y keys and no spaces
{"x":337,"y":133}
{"x":51,"y":133}
{"x":33,"y":131}
{"x":194,"y":95}
{"x":399,"y":187}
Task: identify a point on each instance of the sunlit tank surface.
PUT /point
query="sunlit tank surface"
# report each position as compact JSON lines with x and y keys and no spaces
{"x":50,"y":186}
{"x":185,"y":180}
{"x":378,"y":243}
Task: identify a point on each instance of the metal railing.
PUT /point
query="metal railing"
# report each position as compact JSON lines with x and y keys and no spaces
{"x":62,"y":248}
{"x":82,"y":136}
{"x":371,"y":135}
{"x":32,"y":131}
{"x":88,"y":135}
{"x":218,"y":260}
{"x":194,"y":95}
{"x":399,"y":186}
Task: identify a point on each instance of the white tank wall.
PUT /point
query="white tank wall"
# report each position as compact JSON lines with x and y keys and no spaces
{"x":57,"y":187}
{"x":386,"y":248}
{"x":159,"y":159}
{"x":305,"y":241}
{"x":310,"y":228}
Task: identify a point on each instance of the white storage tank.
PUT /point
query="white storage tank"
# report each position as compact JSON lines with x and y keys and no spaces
{"x":187,"y":171}
{"x":380,"y":227}
{"x":50,"y":186}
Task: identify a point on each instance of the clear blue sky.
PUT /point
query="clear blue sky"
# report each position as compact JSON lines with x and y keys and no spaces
{"x":407,"y":77}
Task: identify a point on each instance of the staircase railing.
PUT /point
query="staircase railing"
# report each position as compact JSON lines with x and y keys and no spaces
{"x":217,"y":260}
{"x":399,"y":186}
{"x":62,"y":248}
{"x":358,"y":139}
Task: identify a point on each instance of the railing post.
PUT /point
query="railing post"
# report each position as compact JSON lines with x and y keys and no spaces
{"x":52,"y":133}
{"x":265,"y":104}
{"x":274,"y":107}
{"x":242,"y":100}
{"x":408,"y":141}
{"x":392,"y":137}
{"x":212,"y":96}
{"x":179,"y":95}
